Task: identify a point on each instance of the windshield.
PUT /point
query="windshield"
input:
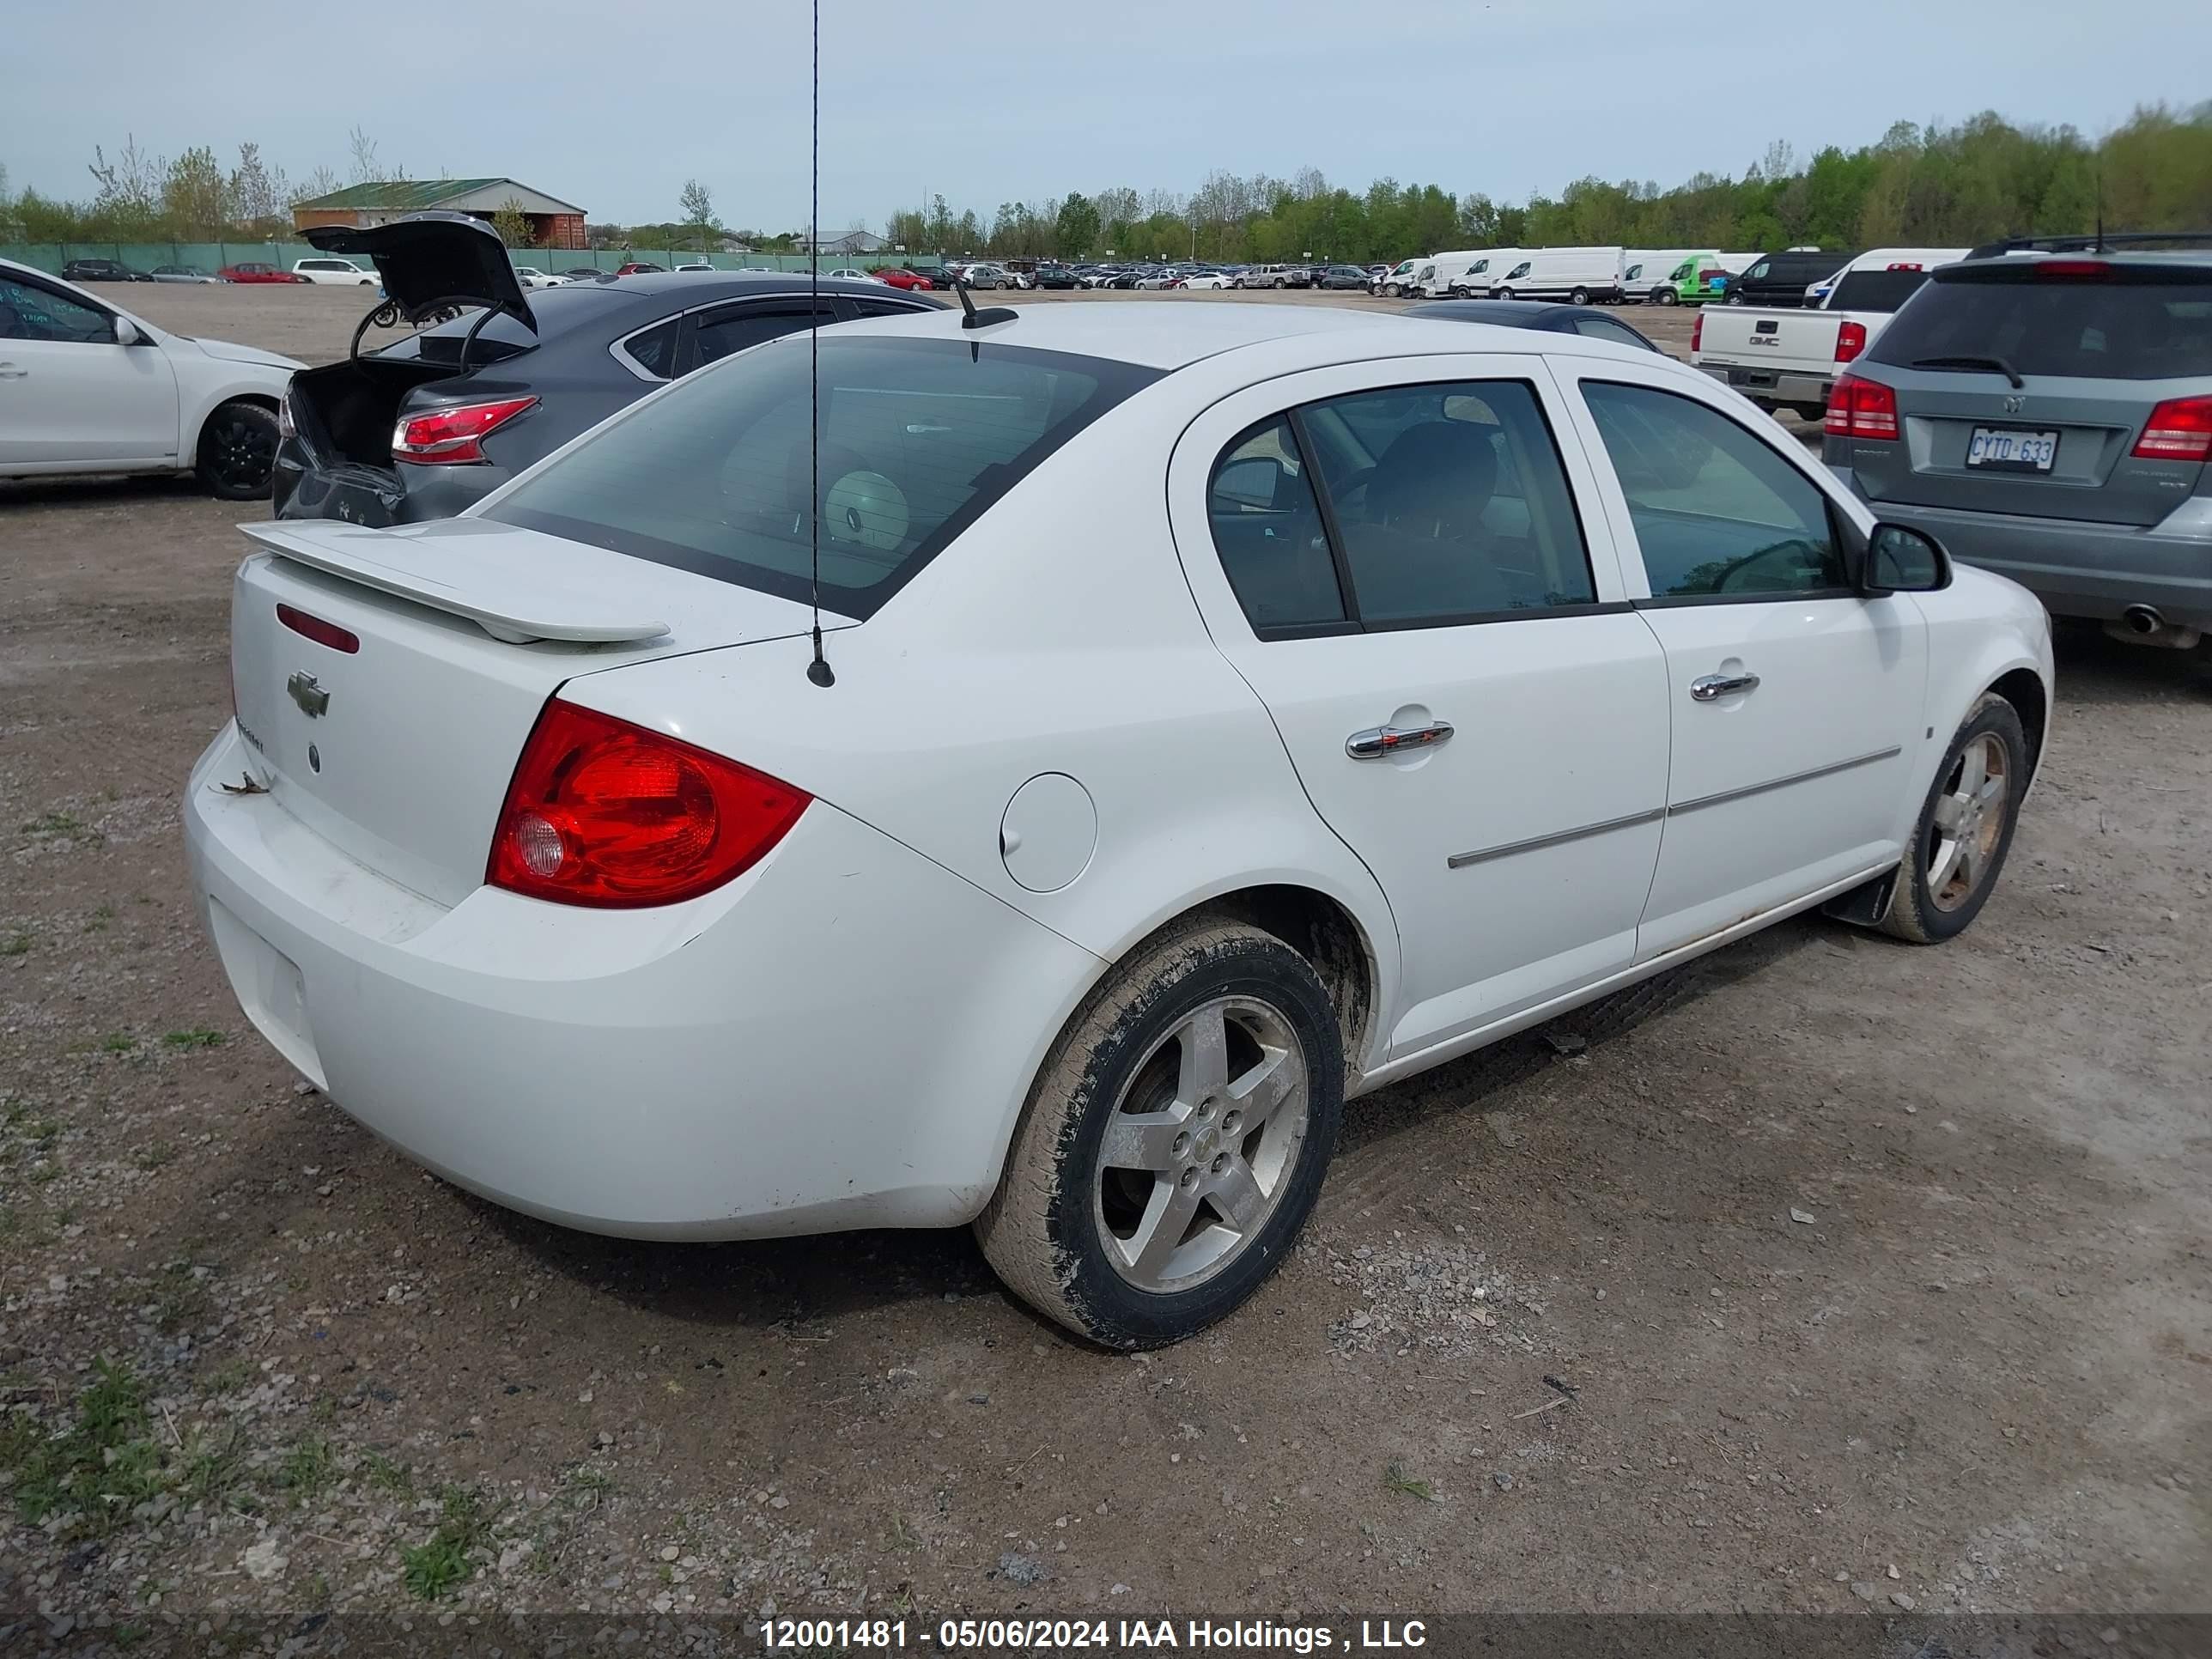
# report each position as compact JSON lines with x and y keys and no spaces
{"x":2139,"y":324}
{"x":919,"y":438}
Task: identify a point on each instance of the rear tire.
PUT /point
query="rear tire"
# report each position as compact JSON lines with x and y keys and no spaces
{"x":1213,"y":1059}
{"x":1964,"y":827}
{"x":236,"y":460}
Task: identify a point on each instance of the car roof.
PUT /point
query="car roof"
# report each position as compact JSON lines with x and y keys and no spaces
{"x":736,"y":284}
{"x":1169,"y":336}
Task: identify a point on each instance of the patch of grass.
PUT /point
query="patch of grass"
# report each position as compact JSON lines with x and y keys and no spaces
{"x":58,"y":824}
{"x":442,"y":1562}
{"x":98,"y":1469}
{"x":388,"y":1476}
{"x":17,"y":943}
{"x":902,"y":1536}
{"x":198,"y":1037}
{"x":212,"y":1469}
{"x":152,"y":1158}
{"x":1396,"y":1479}
{"x":118,"y":1042}
{"x":307,"y":1468}
{"x":44,"y":1173}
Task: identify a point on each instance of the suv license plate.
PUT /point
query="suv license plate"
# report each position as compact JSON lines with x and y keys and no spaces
{"x":2003,"y":450}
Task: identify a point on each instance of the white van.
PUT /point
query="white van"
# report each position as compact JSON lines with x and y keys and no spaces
{"x":1431,"y":274}
{"x":1645,"y":271}
{"x":1578,"y":275}
{"x":1392,"y":281}
{"x":1482,"y":272}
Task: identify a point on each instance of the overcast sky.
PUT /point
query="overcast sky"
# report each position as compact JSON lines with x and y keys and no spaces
{"x":612,"y":103}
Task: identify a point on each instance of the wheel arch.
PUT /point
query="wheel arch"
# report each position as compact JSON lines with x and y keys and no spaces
{"x":2023,"y":688}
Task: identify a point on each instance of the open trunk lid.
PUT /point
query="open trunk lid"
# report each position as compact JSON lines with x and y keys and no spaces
{"x":398,"y":749}
{"x":431,"y":259}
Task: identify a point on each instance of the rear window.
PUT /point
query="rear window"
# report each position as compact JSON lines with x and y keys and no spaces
{"x":919,"y":438}
{"x":1875,"y":290}
{"x":2139,"y":325}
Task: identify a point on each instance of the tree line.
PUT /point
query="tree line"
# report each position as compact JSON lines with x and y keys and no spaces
{"x":1933,"y":185}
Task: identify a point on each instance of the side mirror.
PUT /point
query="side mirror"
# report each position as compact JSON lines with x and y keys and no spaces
{"x":1900,"y":559}
{"x":126,"y":332}
{"x":1253,"y":482}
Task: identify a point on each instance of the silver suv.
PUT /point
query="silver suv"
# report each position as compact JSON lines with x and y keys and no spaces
{"x":2045,"y":409}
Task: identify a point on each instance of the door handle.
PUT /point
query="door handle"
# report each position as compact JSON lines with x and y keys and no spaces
{"x":10,"y":371}
{"x":1377,"y":742}
{"x":1712,"y":688}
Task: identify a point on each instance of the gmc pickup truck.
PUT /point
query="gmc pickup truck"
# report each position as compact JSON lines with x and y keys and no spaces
{"x":1789,"y":359}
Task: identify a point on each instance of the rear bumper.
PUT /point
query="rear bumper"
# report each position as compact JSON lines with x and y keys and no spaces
{"x":1772,"y":387}
{"x":2078,"y":568}
{"x":379,"y":496}
{"x":841,"y":1037}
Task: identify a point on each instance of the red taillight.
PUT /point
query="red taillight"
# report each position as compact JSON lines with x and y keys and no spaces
{"x":455,"y":437}
{"x":2179,"y":429}
{"x":1860,"y":408}
{"x":1697,"y":331}
{"x":315,"y":629}
{"x":1851,"y":340}
{"x":604,"y":813}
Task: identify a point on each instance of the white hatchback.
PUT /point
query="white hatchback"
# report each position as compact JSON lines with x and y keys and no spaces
{"x":1217,"y":713}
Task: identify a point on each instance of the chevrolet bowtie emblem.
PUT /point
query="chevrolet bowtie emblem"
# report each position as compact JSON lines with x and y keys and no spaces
{"x":313,"y":701}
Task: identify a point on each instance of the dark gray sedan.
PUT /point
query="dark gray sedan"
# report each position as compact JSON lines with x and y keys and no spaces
{"x":430,"y":425}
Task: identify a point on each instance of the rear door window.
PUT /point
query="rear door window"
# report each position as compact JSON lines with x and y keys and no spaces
{"x":2135,"y":326}
{"x":919,"y":439}
{"x":724,"y":333}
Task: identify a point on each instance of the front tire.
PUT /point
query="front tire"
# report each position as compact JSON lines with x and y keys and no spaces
{"x":1964,"y":827}
{"x":1394,"y":291}
{"x":1665,"y":296}
{"x":237,"y":457}
{"x":1174,"y":1141}
{"x":1578,"y":297}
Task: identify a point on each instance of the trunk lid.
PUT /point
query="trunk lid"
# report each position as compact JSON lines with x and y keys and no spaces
{"x":427,"y":260}
{"x":399,"y":751}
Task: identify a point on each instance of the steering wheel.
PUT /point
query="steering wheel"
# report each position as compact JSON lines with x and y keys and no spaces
{"x":1804,"y":550}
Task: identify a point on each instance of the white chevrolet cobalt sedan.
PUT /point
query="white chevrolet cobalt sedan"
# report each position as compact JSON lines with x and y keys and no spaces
{"x":1220,"y":713}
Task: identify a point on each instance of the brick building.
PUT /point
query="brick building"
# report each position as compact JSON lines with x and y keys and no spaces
{"x":553,"y":223}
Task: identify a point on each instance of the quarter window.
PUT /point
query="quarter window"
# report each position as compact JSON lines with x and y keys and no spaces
{"x":654,"y":350}
{"x":1718,"y":514}
{"x":1267,"y":529}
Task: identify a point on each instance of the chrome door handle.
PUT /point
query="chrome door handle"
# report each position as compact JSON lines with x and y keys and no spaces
{"x":1378,"y":741}
{"x":1713,"y":687}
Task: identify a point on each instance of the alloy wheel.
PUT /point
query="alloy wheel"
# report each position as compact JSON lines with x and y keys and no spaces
{"x":1201,"y":1145}
{"x":1968,"y":823}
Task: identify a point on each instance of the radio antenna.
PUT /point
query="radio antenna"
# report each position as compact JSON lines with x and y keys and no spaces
{"x":818,"y":671}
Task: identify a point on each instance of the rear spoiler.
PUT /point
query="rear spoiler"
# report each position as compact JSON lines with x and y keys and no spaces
{"x":2097,"y":241}
{"x":441,"y":575}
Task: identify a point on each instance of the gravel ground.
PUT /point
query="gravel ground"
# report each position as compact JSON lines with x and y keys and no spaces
{"x":1827,"y":1273}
